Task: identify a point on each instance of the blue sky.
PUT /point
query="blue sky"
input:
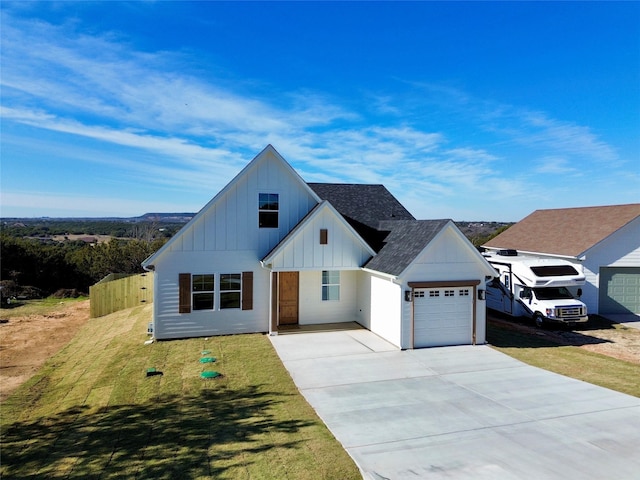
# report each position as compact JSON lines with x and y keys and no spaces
{"x":469,"y":111}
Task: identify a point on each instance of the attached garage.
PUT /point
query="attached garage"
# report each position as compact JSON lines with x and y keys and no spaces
{"x":443,"y":315}
{"x":619,"y":290}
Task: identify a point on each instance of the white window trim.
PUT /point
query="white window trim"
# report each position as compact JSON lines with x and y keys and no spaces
{"x":323,"y":285}
{"x":197,"y":292}
{"x":221,"y":292}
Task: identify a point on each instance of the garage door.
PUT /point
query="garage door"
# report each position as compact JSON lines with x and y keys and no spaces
{"x":619,"y":290}
{"x":442,"y":316}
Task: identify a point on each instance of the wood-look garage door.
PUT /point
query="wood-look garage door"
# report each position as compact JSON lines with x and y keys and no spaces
{"x":619,"y":290}
{"x":442,"y":316}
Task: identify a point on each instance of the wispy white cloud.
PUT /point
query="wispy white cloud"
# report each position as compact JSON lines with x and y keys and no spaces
{"x":173,"y":127}
{"x":555,"y":166}
{"x":564,"y":137}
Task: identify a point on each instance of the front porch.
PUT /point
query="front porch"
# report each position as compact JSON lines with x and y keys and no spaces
{"x":299,"y":301}
{"x":321,"y":327}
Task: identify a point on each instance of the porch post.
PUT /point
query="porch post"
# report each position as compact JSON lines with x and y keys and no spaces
{"x":273,"y":311}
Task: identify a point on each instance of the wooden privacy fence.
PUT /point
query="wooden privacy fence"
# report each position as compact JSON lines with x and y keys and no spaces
{"x":115,"y":292}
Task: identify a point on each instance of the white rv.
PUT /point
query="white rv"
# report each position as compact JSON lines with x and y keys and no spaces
{"x":538,"y":288}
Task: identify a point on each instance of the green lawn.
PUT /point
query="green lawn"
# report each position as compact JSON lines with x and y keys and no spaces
{"x":570,"y":361}
{"x":92,"y":412}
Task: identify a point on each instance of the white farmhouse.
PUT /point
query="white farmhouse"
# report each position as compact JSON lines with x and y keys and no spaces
{"x":271,"y":253}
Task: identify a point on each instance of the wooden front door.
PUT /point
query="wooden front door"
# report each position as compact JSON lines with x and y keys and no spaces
{"x":288,"y":298}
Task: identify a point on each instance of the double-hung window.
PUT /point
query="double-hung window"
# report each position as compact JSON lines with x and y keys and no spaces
{"x":268,"y":208}
{"x":203,"y":290}
{"x":330,"y":285}
{"x":198,"y":292}
{"x":230,"y":290}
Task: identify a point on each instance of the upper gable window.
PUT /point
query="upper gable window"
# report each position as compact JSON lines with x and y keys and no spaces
{"x":268,"y":208}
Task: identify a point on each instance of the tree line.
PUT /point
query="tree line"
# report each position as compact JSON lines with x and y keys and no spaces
{"x":40,"y":267}
{"x":33,"y":268}
{"x":44,"y":228}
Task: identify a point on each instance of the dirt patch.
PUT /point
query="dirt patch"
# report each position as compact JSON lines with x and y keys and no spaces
{"x":599,"y":335}
{"x":27,"y":342}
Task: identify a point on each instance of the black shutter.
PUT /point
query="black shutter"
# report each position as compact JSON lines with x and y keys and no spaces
{"x":185,"y":293}
{"x":247,"y":290}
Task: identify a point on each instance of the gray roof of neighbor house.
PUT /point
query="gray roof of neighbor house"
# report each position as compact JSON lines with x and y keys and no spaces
{"x":364,"y":207}
{"x":403,"y":243}
{"x":565,"y":231}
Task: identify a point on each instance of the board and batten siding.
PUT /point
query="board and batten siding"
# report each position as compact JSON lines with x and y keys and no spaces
{"x":322,"y":243}
{"x":225,"y":238}
{"x":230,"y":222}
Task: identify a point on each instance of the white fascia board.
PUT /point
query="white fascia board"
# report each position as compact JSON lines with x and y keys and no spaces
{"x":149,"y":262}
{"x":324,"y":204}
{"x":290,"y":236}
{"x":393,"y":278}
{"x":489,"y":270}
{"x":450,"y":225}
{"x":346,"y":225}
{"x":306,"y":186}
{"x":543,"y":254}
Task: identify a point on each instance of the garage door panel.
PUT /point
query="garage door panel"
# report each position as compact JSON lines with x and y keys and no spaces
{"x":619,"y":290}
{"x":442,"y":317}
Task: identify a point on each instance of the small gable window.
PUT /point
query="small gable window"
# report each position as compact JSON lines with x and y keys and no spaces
{"x":324,"y":236}
{"x":268,"y":208}
{"x":203,"y":290}
{"x":330,"y":285}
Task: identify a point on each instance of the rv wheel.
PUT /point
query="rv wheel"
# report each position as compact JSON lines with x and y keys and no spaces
{"x":538,"y":319}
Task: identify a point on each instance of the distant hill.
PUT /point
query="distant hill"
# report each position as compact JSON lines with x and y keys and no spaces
{"x":147,"y":217}
{"x":166,"y":217}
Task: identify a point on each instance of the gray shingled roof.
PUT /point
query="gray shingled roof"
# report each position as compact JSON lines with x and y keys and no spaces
{"x":404,"y":242}
{"x":382,"y":221}
{"x":364,"y":207}
{"x":366,"y":204}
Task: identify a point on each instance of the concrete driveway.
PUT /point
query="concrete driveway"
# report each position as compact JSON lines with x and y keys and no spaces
{"x":460,"y":412}
{"x":626,"y":319}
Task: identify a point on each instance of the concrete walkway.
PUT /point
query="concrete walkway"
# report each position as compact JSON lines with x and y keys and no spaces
{"x":460,"y":412}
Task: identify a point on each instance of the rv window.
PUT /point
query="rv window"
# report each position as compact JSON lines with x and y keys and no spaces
{"x":525,"y":293}
{"x":552,"y":293}
{"x":554,"y":271}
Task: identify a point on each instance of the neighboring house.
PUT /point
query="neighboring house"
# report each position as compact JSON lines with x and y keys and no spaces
{"x":271,"y":252}
{"x":604,"y":240}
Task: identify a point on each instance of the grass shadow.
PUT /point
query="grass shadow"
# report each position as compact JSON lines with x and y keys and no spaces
{"x":198,"y":436}
{"x":520,"y":333}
